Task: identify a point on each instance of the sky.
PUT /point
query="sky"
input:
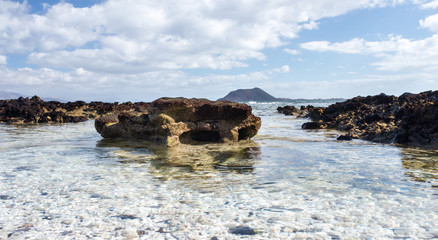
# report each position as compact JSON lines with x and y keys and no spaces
{"x":140,"y":50}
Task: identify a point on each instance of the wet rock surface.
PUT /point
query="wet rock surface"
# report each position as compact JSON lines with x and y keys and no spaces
{"x":180,"y":120}
{"x":35,"y":110}
{"x":407,"y":119}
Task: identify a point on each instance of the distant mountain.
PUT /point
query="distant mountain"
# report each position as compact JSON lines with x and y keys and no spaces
{"x":258,"y":95}
{"x":10,"y":95}
{"x":47,"y":99}
{"x":246,"y":95}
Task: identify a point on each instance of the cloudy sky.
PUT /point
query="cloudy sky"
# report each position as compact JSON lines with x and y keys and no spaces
{"x":139,"y":50}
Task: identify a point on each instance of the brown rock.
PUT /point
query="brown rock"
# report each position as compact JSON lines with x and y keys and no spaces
{"x":288,"y":110}
{"x":180,"y":120}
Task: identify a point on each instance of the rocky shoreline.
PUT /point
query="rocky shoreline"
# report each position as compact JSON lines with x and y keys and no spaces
{"x":35,"y":110}
{"x":166,"y":120}
{"x":407,"y":119}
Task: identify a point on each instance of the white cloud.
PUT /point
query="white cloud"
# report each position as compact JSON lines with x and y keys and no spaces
{"x":430,"y":22}
{"x":133,"y":45}
{"x":88,"y":85}
{"x":141,"y":36}
{"x":420,"y":55}
{"x":395,"y":54}
{"x":432,"y":4}
{"x":283,"y":69}
{"x":291,"y":51}
{"x":62,"y":26}
{"x":358,"y":46}
{"x":3,"y":60}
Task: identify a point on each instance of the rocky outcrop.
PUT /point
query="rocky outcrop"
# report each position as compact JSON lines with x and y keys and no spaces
{"x":409,"y":118}
{"x":35,"y":110}
{"x":180,"y":120}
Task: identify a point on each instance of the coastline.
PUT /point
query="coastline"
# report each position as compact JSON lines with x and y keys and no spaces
{"x":35,"y":110}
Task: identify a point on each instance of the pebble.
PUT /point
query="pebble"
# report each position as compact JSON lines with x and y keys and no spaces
{"x":5,"y":197}
{"x":126,"y":216}
{"x":242,"y":230}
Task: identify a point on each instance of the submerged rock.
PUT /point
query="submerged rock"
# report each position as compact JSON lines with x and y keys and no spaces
{"x":126,"y":217}
{"x":409,"y":118}
{"x":242,"y":230}
{"x":180,"y":120}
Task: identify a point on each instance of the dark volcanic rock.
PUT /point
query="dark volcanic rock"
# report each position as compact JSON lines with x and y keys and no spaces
{"x":246,"y":95}
{"x":345,"y":138}
{"x":410,"y":118}
{"x":312,"y":125}
{"x":35,"y":110}
{"x":180,"y":120}
{"x":288,"y":110}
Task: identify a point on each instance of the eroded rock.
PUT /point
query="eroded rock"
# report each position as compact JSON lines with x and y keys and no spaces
{"x":179,"y":120}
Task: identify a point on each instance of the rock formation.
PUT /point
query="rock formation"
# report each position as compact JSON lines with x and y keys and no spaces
{"x":179,"y":120}
{"x":288,"y":110}
{"x":35,"y":110}
{"x":410,"y":118}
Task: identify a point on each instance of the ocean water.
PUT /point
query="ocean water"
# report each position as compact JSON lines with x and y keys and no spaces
{"x":66,"y":182}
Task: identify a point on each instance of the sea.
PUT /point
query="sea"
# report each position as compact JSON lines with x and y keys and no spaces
{"x":64,"y":181}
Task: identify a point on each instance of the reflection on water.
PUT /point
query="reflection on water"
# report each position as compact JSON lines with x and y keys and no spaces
{"x":186,"y":159}
{"x":421,"y":164}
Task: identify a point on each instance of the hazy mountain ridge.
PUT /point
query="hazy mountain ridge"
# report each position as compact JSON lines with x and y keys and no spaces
{"x":13,"y":95}
{"x":10,"y":95}
{"x":258,"y":95}
{"x":245,"y":95}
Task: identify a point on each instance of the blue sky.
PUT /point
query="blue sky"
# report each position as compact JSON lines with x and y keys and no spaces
{"x":126,"y":50}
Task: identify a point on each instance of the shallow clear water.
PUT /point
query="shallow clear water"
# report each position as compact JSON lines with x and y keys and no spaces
{"x":65,"y":181}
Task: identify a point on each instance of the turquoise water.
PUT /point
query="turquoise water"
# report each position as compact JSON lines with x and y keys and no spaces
{"x":66,"y":182}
